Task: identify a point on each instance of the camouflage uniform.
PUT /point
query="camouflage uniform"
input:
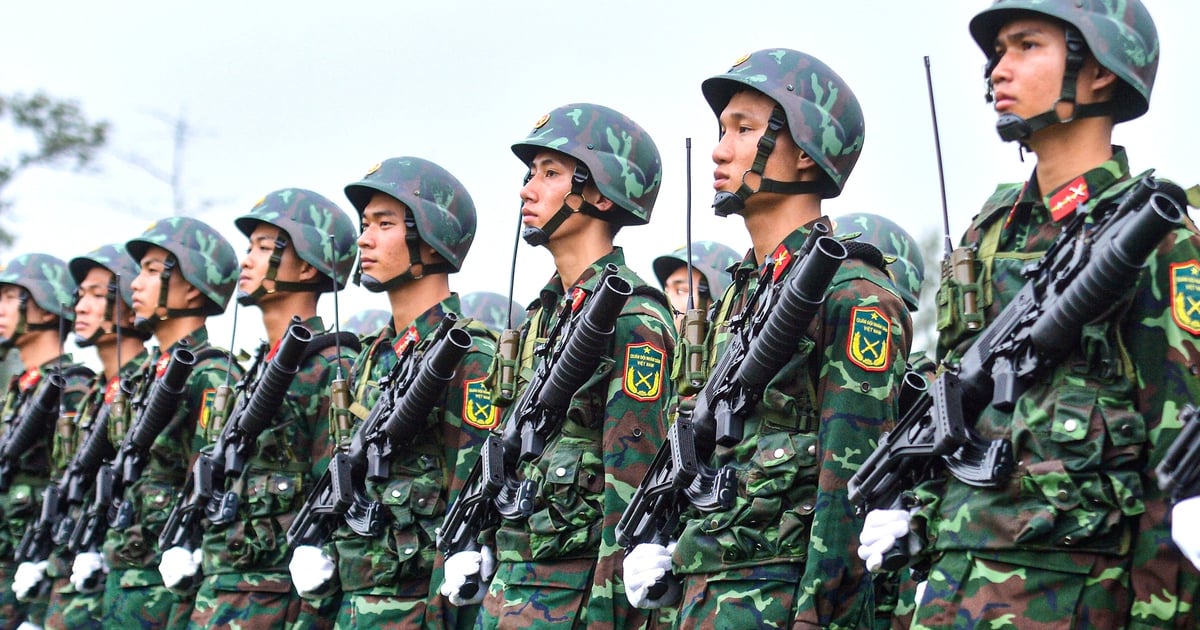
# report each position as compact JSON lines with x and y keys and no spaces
{"x":388,"y":581}
{"x":493,"y":310}
{"x":712,"y":259}
{"x":562,"y":565}
{"x":47,"y":282}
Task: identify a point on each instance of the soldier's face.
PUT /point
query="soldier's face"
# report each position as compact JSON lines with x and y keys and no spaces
{"x":384,"y":253}
{"x":1031,"y":58}
{"x":676,"y":288}
{"x":257,"y":261}
{"x":743,"y":122}
{"x":549,"y":187}
{"x":10,"y":306}
{"x":148,"y":283}
{"x":93,"y":301}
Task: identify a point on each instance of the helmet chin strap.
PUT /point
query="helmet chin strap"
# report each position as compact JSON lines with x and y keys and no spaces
{"x":726,"y":203}
{"x":413,"y":241}
{"x":252,"y":298}
{"x":146,"y":325}
{"x":1012,"y":127}
{"x":539,"y":236}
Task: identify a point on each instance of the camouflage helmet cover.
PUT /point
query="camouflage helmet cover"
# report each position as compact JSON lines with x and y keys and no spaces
{"x":47,"y":280}
{"x":1121,"y":35}
{"x":620,"y":155}
{"x":367,"y":322}
{"x":441,"y":206}
{"x":309,"y":220}
{"x":908,"y":268}
{"x":115,"y":259}
{"x":710,"y":258}
{"x":206,"y":260}
{"x":823,"y":114}
{"x":492,"y":309}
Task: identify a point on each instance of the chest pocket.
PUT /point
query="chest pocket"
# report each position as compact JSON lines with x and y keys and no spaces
{"x":571,"y":492}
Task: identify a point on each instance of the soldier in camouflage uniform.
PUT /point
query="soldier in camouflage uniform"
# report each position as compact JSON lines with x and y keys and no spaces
{"x":493,"y":310}
{"x":102,"y":305}
{"x":783,"y":554}
{"x":418,"y":223}
{"x":592,"y":170}
{"x":367,"y":322}
{"x":711,"y":262}
{"x":36,"y":293}
{"x":301,"y":245}
{"x":1077,"y":537}
{"x":187,"y":273}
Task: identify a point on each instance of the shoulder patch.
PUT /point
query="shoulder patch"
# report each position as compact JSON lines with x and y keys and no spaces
{"x":477,"y":408}
{"x":1185,"y":296}
{"x":868,"y":345}
{"x":643,"y":371}
{"x":207,"y":400}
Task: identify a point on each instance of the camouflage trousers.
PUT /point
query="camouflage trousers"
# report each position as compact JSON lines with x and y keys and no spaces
{"x":71,"y":609}
{"x":515,"y":602}
{"x":360,"y":610}
{"x":737,"y":599}
{"x":1079,"y":591}
{"x":271,"y":604}
{"x":12,"y":612}
{"x":131,"y":603}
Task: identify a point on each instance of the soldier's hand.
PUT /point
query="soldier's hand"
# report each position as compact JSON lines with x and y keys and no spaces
{"x":649,"y":582}
{"x":27,"y":578}
{"x":879,"y":534}
{"x":467,"y":574}
{"x":1185,"y":528}
{"x":179,"y":568}
{"x":87,"y":572}
{"x":312,"y":572}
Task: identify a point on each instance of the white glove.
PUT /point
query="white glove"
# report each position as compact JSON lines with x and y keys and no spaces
{"x":478,"y":566}
{"x":28,"y":576}
{"x":1185,"y":528}
{"x":920,"y":592}
{"x":312,"y":571}
{"x":178,"y":567}
{"x":879,"y":534}
{"x":645,"y":566}
{"x":87,"y":572}
{"x":25,"y":625}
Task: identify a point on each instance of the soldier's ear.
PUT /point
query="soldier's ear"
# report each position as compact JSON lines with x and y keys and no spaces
{"x":307,"y":272}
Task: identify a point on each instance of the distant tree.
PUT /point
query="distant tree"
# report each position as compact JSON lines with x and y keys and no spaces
{"x":62,"y":138}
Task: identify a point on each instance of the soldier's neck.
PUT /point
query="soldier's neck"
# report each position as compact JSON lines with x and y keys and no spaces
{"x":277,"y":312}
{"x":1068,"y":150}
{"x":38,"y":347}
{"x":580,"y":250}
{"x":106,"y":350}
{"x":168,"y":332}
{"x":769,"y":223}
{"x":413,"y":298}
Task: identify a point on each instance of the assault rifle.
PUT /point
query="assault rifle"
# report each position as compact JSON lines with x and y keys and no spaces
{"x":1087,"y":269}
{"x":763,"y":340}
{"x":407,"y":395}
{"x":109,"y":507}
{"x":34,"y":423}
{"x":1179,"y":471}
{"x":207,"y":493}
{"x":570,"y":355}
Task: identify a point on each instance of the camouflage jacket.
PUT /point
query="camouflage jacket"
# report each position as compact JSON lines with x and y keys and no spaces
{"x":36,"y":468}
{"x":251,"y":553}
{"x":587,"y":474}
{"x":423,"y":472}
{"x":134,"y":552}
{"x":1086,"y":436}
{"x":817,"y":421}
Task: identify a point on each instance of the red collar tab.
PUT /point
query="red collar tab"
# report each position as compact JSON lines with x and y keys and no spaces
{"x":110,"y":392}
{"x":161,"y":365}
{"x":1064,"y":202}
{"x":577,"y":297}
{"x":30,"y":379}
{"x":409,"y":337}
{"x":782,"y":258}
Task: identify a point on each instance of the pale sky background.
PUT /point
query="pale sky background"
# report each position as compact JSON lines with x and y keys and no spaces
{"x":311,"y":94}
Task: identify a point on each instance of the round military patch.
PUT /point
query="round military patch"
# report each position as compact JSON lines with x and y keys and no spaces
{"x":868,"y":345}
{"x":541,"y":122}
{"x":1185,"y":296}
{"x":643,"y":371}
{"x":741,"y":60}
{"x":377,"y":166}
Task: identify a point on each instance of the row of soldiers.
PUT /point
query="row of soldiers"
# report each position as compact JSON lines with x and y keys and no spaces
{"x":625,"y":460}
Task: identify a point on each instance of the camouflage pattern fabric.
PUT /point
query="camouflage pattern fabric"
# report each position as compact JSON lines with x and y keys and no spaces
{"x":906,"y":263}
{"x":493,"y":310}
{"x":710,"y":258}
{"x":246,"y":581}
{"x":206,"y":260}
{"x":785,"y":552}
{"x":1082,"y":511}
{"x":47,"y":280}
{"x":390,"y":581}
{"x":134,"y":595}
{"x":69,"y":608}
{"x":562,"y":566}
{"x":309,"y":221}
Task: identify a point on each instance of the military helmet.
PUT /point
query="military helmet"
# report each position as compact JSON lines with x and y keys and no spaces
{"x":494,"y":310}
{"x":309,"y":220}
{"x":908,"y":268}
{"x":206,"y":260}
{"x":710,"y":258}
{"x":1121,"y":35}
{"x":367,"y":322}
{"x":115,"y":259}
{"x":823,"y":115}
{"x":442,"y":208}
{"x":46,"y":279}
{"x":618,"y":153}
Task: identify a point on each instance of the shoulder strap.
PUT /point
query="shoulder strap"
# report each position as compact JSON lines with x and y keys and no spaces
{"x":324,"y":341}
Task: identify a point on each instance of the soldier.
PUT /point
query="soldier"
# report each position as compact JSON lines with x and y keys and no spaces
{"x":493,"y":310}
{"x":301,"y":245}
{"x":418,"y":222}
{"x":187,"y":273}
{"x":592,"y":170}
{"x":1081,"y":515}
{"x":367,"y":322}
{"x":710,"y":276}
{"x":36,"y":292}
{"x":791,"y":132}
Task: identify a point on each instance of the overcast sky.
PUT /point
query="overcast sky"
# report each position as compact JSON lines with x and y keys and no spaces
{"x":311,"y":94}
